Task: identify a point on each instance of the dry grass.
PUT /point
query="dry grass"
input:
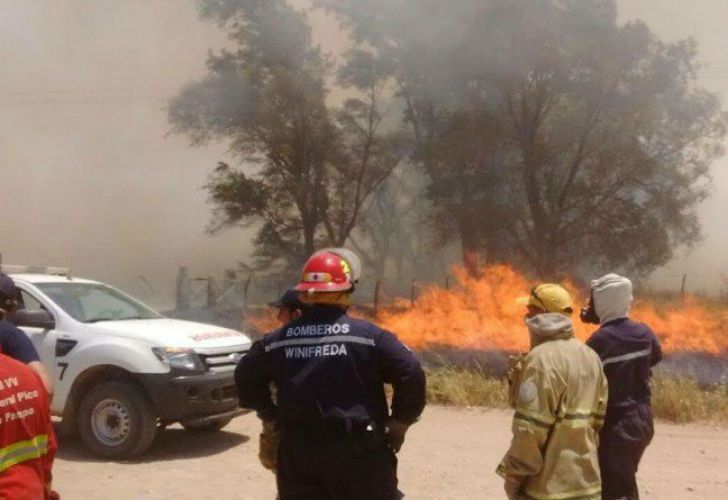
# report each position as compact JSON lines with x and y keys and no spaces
{"x":679,"y":400}
{"x":465,"y":387}
{"x":682,"y":400}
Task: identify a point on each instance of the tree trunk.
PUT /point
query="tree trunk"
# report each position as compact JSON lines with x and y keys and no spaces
{"x":471,"y":255}
{"x":309,"y":238}
{"x":546,"y":265}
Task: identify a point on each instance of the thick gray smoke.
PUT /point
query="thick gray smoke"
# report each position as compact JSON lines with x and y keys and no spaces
{"x":90,"y":179}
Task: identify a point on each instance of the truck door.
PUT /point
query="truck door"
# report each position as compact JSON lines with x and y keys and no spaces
{"x":48,"y":343}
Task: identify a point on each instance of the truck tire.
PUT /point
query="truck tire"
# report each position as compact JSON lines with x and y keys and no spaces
{"x":117,"y":420}
{"x":214,"y":426}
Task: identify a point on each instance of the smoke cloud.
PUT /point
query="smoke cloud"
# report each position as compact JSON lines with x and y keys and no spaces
{"x":90,"y":178}
{"x":674,"y":20}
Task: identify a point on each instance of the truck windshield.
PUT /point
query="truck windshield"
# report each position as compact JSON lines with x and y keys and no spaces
{"x":92,"y":302}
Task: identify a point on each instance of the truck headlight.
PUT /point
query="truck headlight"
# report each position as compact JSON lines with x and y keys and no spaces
{"x":179,"y":359}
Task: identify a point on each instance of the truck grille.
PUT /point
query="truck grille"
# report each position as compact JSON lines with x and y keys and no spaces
{"x":222,"y":362}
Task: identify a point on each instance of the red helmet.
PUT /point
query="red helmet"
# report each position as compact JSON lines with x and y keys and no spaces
{"x":330,"y":270}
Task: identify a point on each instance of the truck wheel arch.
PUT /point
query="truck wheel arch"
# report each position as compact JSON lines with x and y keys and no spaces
{"x":89,"y":378}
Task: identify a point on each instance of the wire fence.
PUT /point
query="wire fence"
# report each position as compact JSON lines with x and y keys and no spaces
{"x":246,"y":293}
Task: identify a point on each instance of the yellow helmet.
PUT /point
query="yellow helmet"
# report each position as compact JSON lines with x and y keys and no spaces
{"x":549,"y":297}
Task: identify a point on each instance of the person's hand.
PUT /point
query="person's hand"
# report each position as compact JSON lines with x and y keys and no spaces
{"x":514,"y":375}
{"x":512,"y":487}
{"x":51,"y":494}
{"x":268,"y":444}
{"x":396,"y":431}
{"x":38,"y":368}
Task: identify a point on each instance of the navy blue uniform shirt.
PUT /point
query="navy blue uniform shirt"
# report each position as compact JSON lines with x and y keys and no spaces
{"x":16,"y":344}
{"x":628,"y":351}
{"x":329,"y":367}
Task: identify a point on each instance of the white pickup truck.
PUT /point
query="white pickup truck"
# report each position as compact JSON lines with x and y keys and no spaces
{"x":122,"y":370}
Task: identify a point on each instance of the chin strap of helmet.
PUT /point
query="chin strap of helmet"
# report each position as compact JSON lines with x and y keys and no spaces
{"x":341,"y":299}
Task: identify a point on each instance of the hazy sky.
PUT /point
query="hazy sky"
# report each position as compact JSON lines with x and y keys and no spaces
{"x":89,"y":178}
{"x":703,"y":20}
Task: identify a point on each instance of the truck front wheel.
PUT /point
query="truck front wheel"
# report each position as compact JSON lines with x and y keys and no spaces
{"x":116,"y":420}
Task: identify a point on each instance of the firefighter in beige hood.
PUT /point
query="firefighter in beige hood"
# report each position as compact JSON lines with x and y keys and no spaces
{"x":560,"y":399}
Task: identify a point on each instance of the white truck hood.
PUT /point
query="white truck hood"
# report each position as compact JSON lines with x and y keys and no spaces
{"x":166,"y":332}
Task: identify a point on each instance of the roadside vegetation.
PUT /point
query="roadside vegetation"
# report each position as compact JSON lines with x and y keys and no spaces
{"x":453,"y":386}
{"x":674,"y":399}
{"x":682,"y":400}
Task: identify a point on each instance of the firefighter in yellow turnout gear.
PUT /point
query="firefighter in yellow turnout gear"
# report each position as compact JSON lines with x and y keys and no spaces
{"x":559,"y":392}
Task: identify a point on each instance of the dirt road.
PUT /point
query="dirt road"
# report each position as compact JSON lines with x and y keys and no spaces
{"x":450,"y":454}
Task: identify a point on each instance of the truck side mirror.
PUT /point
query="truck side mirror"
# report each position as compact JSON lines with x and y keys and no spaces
{"x":34,"y":319}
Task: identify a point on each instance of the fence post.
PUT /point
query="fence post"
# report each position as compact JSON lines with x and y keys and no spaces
{"x":212,"y":291}
{"x":246,"y":287}
{"x":447,"y":282}
{"x":412,"y":292}
{"x":230,"y":279}
{"x":182,"y":297}
{"x":682,"y":286}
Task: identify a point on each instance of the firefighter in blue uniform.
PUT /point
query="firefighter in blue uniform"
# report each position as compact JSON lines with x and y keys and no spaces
{"x":288,"y":307}
{"x":338,"y":437}
{"x":628,"y":351}
{"x":13,"y":342}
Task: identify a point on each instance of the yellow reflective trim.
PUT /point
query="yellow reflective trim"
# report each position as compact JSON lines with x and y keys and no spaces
{"x":547,"y":420}
{"x":23,"y":451}
{"x":345,"y":267}
{"x":577,"y":418}
{"x":585,"y":494}
{"x":532,"y":420}
{"x":40,"y":440}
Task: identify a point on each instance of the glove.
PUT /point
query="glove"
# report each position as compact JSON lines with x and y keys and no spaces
{"x":395,"y":434}
{"x":268,"y":444}
{"x":515,"y":373}
{"x":512,"y":487}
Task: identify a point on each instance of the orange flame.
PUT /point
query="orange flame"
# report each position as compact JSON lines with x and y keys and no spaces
{"x":687,"y":325}
{"x":483,"y":314}
{"x":264,"y":321}
{"x":479,"y":313}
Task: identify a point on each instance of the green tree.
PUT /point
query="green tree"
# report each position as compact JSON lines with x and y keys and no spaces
{"x":306,"y":169}
{"x":266,"y":99}
{"x":371,"y":146}
{"x":578,"y":141}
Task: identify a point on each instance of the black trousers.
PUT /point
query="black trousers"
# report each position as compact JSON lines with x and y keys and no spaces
{"x":622,"y":441}
{"x":352,"y":466}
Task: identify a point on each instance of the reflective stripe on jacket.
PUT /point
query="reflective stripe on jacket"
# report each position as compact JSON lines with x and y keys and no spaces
{"x":560,"y":406}
{"x":22,"y":451}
